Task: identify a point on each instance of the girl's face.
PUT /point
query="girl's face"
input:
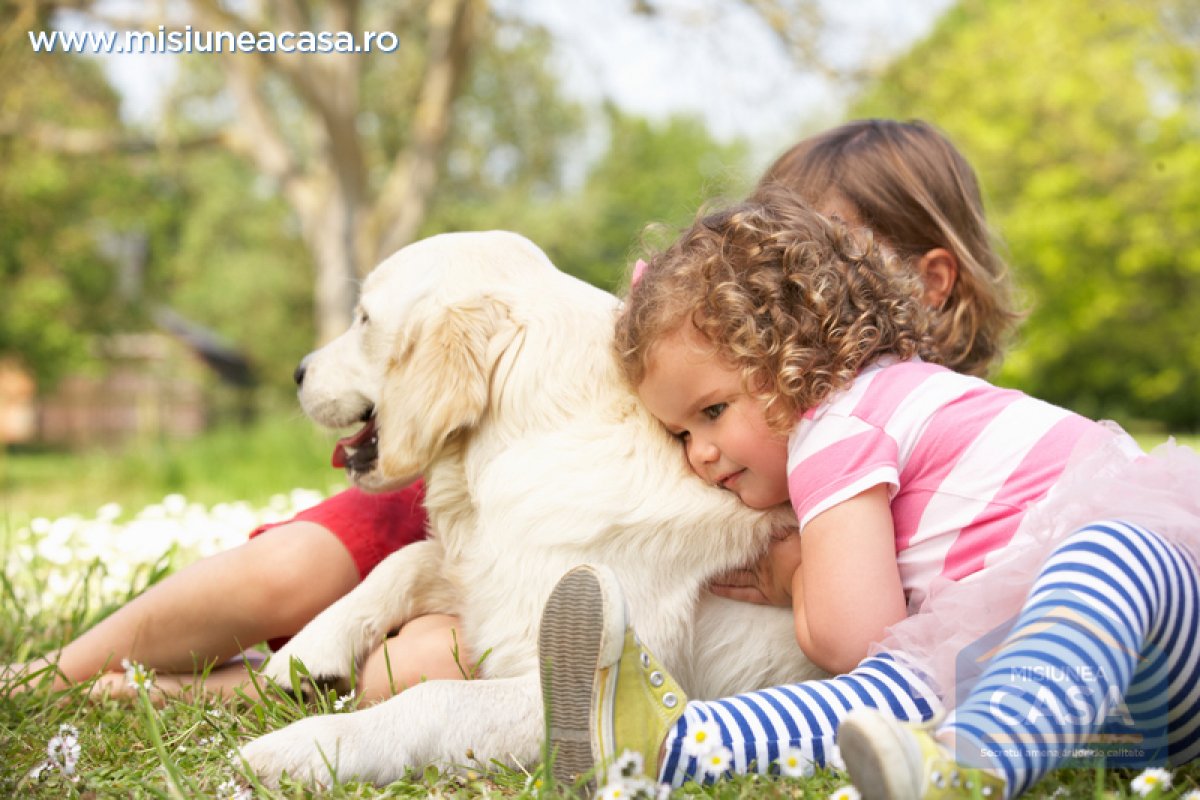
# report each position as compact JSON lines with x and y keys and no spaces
{"x":702,"y":402}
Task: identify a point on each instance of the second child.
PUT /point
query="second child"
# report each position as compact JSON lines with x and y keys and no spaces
{"x":785,"y":351}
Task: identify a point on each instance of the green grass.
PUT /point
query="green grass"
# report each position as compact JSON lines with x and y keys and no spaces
{"x":185,"y":750}
{"x":129,"y":749}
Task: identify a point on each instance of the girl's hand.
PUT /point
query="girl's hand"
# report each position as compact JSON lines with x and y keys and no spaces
{"x":767,"y":582}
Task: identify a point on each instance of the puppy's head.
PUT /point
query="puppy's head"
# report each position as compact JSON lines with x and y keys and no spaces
{"x":415,"y":366}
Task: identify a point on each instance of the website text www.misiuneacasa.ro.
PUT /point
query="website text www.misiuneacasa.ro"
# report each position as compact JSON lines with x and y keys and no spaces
{"x":193,"y":40}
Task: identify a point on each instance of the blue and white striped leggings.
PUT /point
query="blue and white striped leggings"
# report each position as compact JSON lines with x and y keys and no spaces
{"x":1104,"y":650}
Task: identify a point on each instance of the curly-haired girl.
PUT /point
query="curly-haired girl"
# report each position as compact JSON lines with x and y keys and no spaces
{"x":792,"y":358}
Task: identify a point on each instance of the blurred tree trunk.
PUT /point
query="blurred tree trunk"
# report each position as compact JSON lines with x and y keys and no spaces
{"x":297,"y":119}
{"x":347,"y":223}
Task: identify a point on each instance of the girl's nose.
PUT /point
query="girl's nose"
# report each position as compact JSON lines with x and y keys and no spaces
{"x":701,"y":453}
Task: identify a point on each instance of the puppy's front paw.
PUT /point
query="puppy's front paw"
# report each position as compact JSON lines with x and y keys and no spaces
{"x":325,"y":666}
{"x":312,"y":750}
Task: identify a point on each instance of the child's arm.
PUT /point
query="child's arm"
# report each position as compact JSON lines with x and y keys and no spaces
{"x":847,"y":589}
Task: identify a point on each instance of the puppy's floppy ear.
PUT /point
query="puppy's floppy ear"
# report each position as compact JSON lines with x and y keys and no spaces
{"x":437,"y":383}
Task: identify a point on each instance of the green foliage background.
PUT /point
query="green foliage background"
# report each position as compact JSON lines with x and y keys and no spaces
{"x":1082,"y":118}
{"x":1083,"y":121}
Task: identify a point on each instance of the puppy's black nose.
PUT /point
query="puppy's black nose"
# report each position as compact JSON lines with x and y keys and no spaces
{"x":298,"y":375}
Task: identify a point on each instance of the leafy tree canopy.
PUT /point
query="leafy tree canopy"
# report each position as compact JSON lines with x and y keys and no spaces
{"x":1082,"y":118}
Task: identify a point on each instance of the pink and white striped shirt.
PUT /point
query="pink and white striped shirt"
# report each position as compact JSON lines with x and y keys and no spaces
{"x":964,"y":460}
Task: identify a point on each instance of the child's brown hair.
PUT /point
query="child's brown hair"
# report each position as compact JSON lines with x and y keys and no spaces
{"x":909,"y":184}
{"x":797,"y":302}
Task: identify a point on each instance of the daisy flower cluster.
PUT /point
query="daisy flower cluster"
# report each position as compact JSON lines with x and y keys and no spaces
{"x":61,"y":549}
{"x":703,"y":743}
{"x":62,"y":755}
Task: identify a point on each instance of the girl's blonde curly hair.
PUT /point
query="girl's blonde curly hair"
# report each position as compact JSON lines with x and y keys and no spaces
{"x":797,"y":302}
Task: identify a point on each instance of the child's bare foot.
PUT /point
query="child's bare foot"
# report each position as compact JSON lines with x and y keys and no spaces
{"x":227,"y":681}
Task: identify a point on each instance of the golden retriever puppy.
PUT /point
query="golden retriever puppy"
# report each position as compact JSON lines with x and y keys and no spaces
{"x":475,"y":363}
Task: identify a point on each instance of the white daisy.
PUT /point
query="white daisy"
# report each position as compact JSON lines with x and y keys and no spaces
{"x":845,"y":793}
{"x":794,"y":764}
{"x":343,"y":701}
{"x":615,"y":790}
{"x":232,"y":790}
{"x":716,"y":761}
{"x":1151,"y":779}
{"x":63,"y":749}
{"x":137,"y":676}
{"x":701,"y":740}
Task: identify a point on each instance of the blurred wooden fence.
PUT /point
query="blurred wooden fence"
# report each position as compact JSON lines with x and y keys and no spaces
{"x":147,"y":384}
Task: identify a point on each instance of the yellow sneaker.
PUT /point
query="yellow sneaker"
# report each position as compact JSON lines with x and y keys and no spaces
{"x":892,"y":760}
{"x":604,"y":693}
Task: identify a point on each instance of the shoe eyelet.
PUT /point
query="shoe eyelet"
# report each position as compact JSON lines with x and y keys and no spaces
{"x":656,"y":678}
{"x":645,"y":659}
{"x":986,"y":791}
{"x":955,"y":779}
{"x":938,"y":779}
{"x":670,"y":700}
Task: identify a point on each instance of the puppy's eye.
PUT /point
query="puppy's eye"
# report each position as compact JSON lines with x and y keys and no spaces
{"x":363,"y":317}
{"x":715,"y":410}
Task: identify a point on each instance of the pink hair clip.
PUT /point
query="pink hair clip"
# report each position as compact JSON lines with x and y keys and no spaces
{"x":639,"y":269}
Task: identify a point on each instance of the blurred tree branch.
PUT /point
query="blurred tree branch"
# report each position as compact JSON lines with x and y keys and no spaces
{"x":299,"y":116}
{"x":799,"y":26}
{"x":316,"y":156}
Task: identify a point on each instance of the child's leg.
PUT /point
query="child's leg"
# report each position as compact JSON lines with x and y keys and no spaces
{"x":1113,"y":616}
{"x":209,"y":611}
{"x":758,"y":726}
{"x":427,"y":648}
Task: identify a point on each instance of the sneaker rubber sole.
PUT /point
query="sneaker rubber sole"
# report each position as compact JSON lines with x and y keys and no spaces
{"x":880,"y":756}
{"x":582,"y":631}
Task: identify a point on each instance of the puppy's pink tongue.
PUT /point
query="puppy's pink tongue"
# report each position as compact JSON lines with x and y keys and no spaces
{"x":357,"y":440}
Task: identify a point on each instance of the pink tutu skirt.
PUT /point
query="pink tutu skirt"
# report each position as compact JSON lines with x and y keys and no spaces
{"x":1106,"y":480}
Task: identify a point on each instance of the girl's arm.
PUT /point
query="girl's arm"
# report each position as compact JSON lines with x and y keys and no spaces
{"x":847,"y":589}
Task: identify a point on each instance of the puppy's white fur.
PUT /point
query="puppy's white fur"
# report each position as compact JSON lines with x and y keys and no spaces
{"x":491,"y":374}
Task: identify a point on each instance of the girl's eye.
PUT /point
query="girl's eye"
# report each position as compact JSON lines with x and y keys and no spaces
{"x":715,"y":410}
{"x":681,"y":436}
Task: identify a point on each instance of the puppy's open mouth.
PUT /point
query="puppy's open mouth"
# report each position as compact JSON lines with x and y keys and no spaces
{"x":359,"y":451}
